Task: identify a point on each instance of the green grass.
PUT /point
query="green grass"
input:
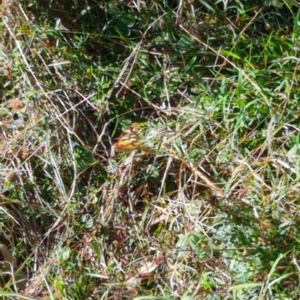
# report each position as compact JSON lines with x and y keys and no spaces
{"x":206,"y":206}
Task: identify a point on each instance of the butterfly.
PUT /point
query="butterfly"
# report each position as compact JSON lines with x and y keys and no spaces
{"x":129,"y":140}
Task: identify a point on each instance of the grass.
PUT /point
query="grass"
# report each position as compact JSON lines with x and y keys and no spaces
{"x":205,"y":204}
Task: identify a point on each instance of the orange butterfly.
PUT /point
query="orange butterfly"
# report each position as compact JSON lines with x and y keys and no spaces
{"x":129,"y":140}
